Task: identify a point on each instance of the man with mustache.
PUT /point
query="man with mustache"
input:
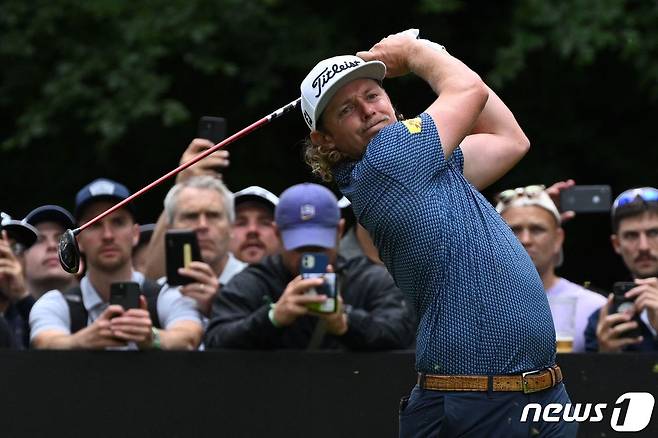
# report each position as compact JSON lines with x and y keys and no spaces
{"x":254,"y":235}
{"x":635,"y":238}
{"x":485,"y":336}
{"x":82,"y":318}
{"x":204,"y":204}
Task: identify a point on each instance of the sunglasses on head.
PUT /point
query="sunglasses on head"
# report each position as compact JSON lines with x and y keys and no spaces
{"x":646,"y":194}
{"x":507,"y":196}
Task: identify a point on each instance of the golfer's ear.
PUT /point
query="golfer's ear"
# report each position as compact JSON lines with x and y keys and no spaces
{"x":323,"y":140}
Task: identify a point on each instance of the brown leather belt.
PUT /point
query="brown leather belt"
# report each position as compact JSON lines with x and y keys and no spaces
{"x":529,"y":382}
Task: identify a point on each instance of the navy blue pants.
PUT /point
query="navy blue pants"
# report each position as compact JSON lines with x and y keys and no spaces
{"x":442,"y":414}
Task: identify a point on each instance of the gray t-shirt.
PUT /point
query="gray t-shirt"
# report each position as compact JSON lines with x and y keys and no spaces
{"x":51,"y":312}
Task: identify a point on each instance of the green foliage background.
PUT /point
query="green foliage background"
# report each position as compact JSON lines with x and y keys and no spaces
{"x":115,"y":88}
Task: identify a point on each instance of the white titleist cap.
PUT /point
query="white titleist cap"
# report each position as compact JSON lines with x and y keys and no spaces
{"x":328,"y":76}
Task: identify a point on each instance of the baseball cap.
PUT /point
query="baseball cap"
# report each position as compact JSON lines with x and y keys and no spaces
{"x":21,"y":232}
{"x":328,"y":76}
{"x":50,"y":213}
{"x":256,"y":193}
{"x":533,"y":195}
{"x":101,"y":189}
{"x":307,"y":215}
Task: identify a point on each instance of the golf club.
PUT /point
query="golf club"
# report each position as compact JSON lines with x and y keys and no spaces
{"x":68,"y":251}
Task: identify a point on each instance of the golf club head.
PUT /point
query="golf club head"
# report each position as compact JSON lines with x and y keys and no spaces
{"x":69,"y":253}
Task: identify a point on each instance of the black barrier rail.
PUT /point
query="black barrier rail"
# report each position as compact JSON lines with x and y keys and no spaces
{"x":257,"y":394}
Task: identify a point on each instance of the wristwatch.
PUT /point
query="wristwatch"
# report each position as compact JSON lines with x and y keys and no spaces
{"x":155,"y":339}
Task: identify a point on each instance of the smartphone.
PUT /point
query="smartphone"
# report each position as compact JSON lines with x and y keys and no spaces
{"x":126,"y":294}
{"x":181,"y":248}
{"x":314,"y":265}
{"x":586,"y":199}
{"x":212,"y":128}
{"x":622,"y":304}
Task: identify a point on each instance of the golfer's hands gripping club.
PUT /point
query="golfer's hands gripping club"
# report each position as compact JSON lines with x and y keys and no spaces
{"x":396,"y":51}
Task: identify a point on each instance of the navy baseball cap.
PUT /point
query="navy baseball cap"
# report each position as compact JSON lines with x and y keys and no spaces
{"x":101,"y":189}
{"x":50,"y":213}
{"x":307,"y":215}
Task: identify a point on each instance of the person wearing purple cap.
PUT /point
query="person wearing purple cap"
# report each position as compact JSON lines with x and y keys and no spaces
{"x":266,"y":305}
{"x":42,"y":269}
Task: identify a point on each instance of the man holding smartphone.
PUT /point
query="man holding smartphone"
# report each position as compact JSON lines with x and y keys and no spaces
{"x":535,"y":220}
{"x":204,"y":206}
{"x":15,"y":300}
{"x":167,"y":321}
{"x":269,"y":305}
{"x":634,"y":237}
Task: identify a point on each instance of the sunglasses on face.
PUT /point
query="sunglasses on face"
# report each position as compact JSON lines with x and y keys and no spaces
{"x":507,"y":196}
{"x":646,"y":194}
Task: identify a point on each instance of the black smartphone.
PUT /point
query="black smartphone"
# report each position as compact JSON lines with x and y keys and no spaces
{"x":181,"y":248}
{"x":212,"y":128}
{"x":622,"y":304}
{"x":586,"y":199}
{"x":313,"y":265}
{"x":126,"y":294}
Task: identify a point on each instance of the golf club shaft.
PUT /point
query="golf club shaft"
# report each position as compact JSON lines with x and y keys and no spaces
{"x":201,"y":156}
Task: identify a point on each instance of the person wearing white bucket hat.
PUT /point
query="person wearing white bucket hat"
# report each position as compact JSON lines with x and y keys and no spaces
{"x":484,"y":321}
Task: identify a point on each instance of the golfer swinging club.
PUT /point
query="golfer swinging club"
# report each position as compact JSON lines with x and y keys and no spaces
{"x":485,"y":344}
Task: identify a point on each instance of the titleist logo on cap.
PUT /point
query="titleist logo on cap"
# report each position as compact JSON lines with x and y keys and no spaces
{"x":329,"y":72}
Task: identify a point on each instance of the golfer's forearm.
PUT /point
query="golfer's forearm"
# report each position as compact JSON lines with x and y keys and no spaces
{"x":442,"y":71}
{"x":496,"y":118}
{"x":155,"y":257}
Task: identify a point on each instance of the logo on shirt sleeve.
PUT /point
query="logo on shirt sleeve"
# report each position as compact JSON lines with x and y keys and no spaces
{"x":414,"y":126}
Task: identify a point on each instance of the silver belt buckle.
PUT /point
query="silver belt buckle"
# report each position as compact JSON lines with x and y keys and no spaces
{"x":524,"y":381}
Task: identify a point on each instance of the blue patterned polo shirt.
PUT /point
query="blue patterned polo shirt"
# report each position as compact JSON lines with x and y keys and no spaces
{"x":481,"y":304}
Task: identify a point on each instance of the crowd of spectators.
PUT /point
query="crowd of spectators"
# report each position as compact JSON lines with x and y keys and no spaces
{"x":245,"y":290}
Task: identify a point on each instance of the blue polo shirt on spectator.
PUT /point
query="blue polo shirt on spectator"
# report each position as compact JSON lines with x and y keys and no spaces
{"x":481,"y":303}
